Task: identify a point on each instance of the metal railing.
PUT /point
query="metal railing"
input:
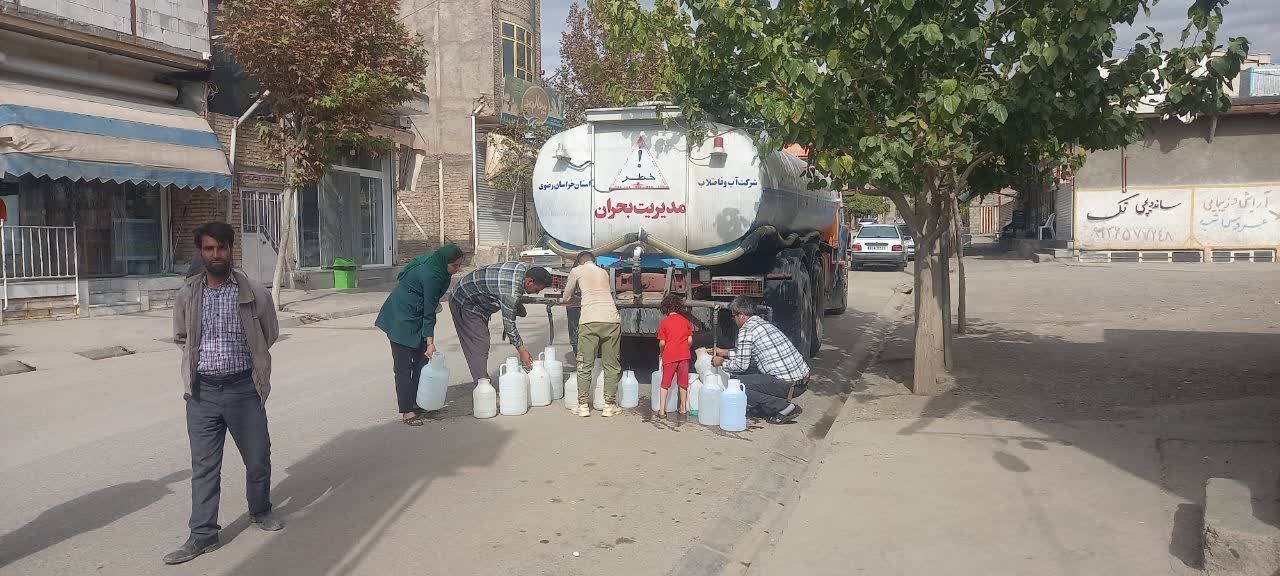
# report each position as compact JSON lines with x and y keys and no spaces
{"x":38,"y":253}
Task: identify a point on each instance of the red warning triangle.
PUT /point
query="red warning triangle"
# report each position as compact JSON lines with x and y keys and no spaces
{"x":640,"y":172}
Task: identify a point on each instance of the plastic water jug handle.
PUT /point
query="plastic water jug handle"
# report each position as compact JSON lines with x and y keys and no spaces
{"x":500,"y":370}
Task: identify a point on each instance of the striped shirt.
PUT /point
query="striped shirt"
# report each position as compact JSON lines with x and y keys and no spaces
{"x":764,"y":346}
{"x":224,"y":349}
{"x":492,"y":288}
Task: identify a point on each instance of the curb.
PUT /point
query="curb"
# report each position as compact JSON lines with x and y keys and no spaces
{"x":732,"y":540}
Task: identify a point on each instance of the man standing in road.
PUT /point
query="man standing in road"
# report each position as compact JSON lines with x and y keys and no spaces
{"x":599,"y":332}
{"x":225,"y":324}
{"x":766,"y":362}
{"x":487,"y":290}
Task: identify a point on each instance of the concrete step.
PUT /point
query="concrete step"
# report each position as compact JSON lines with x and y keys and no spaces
{"x":1241,"y":529}
{"x":115,"y":309}
{"x":1042,"y":256}
{"x":116,"y":297}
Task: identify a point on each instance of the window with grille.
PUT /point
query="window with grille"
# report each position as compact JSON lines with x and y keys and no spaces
{"x":517,"y":52}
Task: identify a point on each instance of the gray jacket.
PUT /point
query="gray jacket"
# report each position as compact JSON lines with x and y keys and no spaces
{"x":257,"y":316}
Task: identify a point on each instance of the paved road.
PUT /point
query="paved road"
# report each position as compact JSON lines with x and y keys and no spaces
{"x":95,"y":472}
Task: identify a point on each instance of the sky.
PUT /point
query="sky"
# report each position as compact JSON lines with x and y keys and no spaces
{"x":1259,"y":20}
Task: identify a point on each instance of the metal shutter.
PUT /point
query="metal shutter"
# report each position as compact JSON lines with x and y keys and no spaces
{"x":494,"y":209}
{"x":1064,"y":210}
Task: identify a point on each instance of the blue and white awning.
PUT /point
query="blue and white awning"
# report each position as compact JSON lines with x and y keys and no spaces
{"x":59,"y":133}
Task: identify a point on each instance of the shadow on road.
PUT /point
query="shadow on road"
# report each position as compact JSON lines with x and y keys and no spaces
{"x":340,"y":499}
{"x":85,"y":514}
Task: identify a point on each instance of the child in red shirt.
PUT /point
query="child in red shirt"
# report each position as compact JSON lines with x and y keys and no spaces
{"x":675,"y":335}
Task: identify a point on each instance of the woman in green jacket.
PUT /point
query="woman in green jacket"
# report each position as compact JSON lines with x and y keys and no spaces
{"x":409,"y":319}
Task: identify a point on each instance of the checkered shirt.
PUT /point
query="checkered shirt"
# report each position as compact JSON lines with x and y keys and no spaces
{"x":762,"y":345}
{"x":224,"y":349}
{"x":492,"y":288}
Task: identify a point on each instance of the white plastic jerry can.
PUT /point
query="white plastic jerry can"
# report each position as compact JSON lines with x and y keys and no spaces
{"x":655,"y":388}
{"x":484,"y":400}
{"x":555,"y":371}
{"x":629,"y":390}
{"x":597,"y":392}
{"x":695,"y":388}
{"x":709,"y":401}
{"x":433,"y":383}
{"x":539,"y":385}
{"x":571,"y":392}
{"x":733,"y":407}
{"x":702,"y":364}
{"x":513,"y":391}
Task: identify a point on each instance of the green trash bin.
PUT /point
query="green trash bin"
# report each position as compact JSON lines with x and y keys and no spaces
{"x":344,"y":273}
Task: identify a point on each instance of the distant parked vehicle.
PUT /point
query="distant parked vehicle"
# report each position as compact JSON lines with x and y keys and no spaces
{"x":905,"y":231}
{"x":879,"y":244}
{"x":542,"y":257}
{"x":866,"y":222}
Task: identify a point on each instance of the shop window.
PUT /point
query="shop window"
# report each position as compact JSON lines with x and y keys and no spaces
{"x":119,"y":226}
{"x":517,"y":52}
{"x":346,"y":214}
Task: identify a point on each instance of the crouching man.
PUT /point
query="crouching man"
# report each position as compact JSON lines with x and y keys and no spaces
{"x":766,"y":362}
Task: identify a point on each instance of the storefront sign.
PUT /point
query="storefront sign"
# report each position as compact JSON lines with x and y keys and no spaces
{"x":524,"y":99}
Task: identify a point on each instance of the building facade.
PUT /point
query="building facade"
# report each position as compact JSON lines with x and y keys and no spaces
{"x":1205,"y":190}
{"x":485,"y":69}
{"x":103,"y":142}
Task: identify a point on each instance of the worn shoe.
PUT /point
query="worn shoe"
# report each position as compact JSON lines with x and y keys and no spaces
{"x":781,"y":419}
{"x":191,"y":549}
{"x":268,"y":522}
{"x":611,"y":410}
{"x":584,"y":410}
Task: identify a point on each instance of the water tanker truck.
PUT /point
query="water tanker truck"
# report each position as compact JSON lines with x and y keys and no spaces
{"x":710,"y":221}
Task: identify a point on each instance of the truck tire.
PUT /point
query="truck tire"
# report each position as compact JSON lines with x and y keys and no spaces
{"x":791,"y":299}
{"x":838,"y":303}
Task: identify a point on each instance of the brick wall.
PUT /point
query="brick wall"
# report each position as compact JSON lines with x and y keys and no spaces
{"x":424,"y":200}
{"x":191,"y":208}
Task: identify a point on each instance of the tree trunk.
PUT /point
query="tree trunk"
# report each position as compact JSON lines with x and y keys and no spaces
{"x":931,"y":376}
{"x":961,"y":318}
{"x":287,"y":233}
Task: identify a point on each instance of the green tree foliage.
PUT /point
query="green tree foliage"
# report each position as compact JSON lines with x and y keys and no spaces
{"x":589,"y":69}
{"x":330,"y":69}
{"x":866,"y":205}
{"x":928,"y":101}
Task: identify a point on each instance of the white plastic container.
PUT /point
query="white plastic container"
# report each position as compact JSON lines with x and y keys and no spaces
{"x":555,"y":371}
{"x":513,"y":391}
{"x":433,"y":383}
{"x":484,"y":400}
{"x":702,"y":364}
{"x":733,"y":407}
{"x":597,"y":386}
{"x":539,"y":384}
{"x":629,"y":390}
{"x":695,"y":388}
{"x":709,"y":401}
{"x":655,"y":391}
{"x":655,"y":388}
{"x":571,"y":392}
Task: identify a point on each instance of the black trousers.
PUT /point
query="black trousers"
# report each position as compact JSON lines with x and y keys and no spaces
{"x":221,"y":404}
{"x":407,"y":363}
{"x":768,"y":393}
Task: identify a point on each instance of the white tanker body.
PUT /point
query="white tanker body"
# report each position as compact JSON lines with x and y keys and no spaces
{"x":713,"y":220}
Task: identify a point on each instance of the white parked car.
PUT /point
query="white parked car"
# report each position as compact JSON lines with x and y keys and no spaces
{"x":542,"y":257}
{"x":881,"y":244}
